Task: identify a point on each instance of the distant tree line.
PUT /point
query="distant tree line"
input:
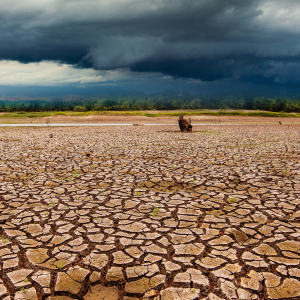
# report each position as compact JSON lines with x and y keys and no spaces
{"x":156,"y":102}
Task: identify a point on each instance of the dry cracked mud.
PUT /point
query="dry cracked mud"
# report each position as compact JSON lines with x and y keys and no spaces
{"x":150,"y":213}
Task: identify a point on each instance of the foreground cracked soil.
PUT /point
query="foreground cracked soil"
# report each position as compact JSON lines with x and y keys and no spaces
{"x":150,"y":213}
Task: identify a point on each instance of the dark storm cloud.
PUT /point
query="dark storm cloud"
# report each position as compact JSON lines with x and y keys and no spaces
{"x":205,"y":39}
{"x":205,"y":69}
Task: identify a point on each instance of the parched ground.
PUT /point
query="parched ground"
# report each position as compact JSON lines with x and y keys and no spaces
{"x":150,"y":213}
{"x":129,"y":119}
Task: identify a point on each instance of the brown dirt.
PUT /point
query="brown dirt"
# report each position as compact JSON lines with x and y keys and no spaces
{"x":154,"y":120}
{"x":217,"y":209}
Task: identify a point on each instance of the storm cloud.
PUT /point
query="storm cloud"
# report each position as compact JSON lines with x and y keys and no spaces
{"x":207,"y":40}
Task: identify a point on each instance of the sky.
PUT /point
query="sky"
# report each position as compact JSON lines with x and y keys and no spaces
{"x":150,"y":46}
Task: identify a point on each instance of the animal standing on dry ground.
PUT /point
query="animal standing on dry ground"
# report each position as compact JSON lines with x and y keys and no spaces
{"x":185,"y":125}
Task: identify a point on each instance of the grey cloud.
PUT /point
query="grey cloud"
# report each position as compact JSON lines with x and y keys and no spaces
{"x":204,"y":39}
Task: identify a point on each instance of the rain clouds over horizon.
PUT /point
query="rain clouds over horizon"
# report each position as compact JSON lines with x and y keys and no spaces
{"x":164,"y":41}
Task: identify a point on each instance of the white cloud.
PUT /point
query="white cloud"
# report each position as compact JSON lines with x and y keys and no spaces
{"x":280,"y":15}
{"x":49,"y":73}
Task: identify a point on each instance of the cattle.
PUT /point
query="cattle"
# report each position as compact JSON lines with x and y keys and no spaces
{"x":185,"y":125}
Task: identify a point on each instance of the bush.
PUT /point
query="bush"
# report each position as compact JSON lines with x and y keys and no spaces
{"x":79,"y":108}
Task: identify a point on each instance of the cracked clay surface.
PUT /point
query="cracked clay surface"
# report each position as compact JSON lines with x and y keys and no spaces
{"x":127,"y":213}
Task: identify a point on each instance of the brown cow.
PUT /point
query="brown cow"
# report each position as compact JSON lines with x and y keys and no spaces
{"x":185,"y":125}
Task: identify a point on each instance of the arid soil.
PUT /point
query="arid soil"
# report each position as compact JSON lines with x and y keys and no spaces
{"x":131,"y":213}
{"x":154,"y":120}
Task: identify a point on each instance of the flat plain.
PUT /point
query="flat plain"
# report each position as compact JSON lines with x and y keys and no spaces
{"x":144,"y":117}
{"x":147,"y":212}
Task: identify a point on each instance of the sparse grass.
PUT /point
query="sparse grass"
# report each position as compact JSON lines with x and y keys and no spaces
{"x":60,"y":265}
{"x":204,"y":112}
{"x":3,"y":238}
{"x":151,"y":115}
{"x":26,"y":280}
{"x":137,"y":193}
{"x":208,"y":131}
{"x":155,"y":211}
{"x":76,"y":174}
{"x":22,"y":114}
{"x":232,"y":200}
{"x":286,"y":172}
{"x":23,"y":290}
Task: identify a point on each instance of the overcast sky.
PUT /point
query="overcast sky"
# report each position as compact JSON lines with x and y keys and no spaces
{"x":150,"y":45}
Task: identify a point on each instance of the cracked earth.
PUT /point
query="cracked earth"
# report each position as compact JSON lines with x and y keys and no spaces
{"x":150,"y":213}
